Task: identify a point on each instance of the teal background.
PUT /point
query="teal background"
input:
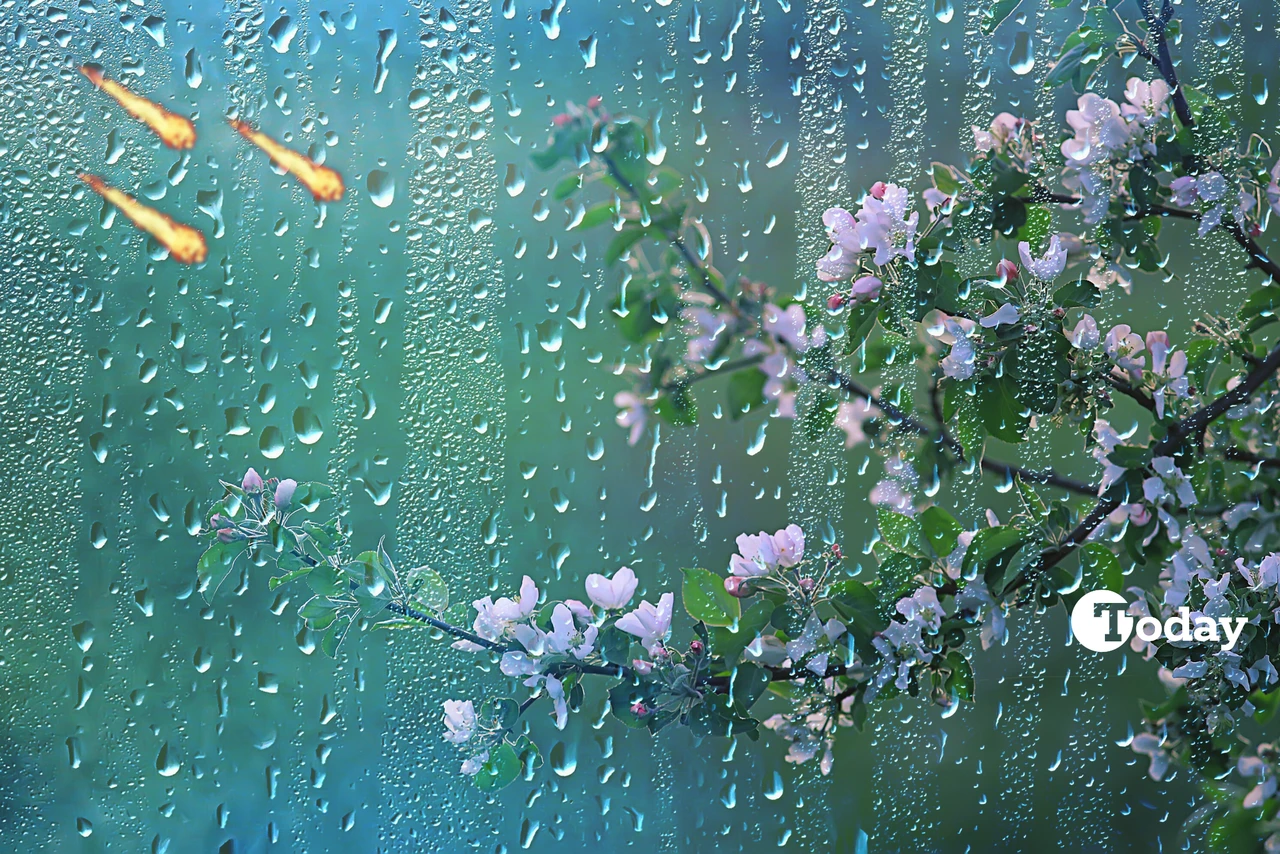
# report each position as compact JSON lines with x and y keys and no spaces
{"x":454,"y":343}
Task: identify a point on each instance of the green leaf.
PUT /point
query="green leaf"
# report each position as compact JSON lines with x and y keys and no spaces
{"x":729,"y":644}
{"x":678,"y":407}
{"x":1038,"y":366}
{"x":216,"y":564}
{"x":500,"y":770}
{"x":747,"y":683}
{"x":615,"y":645}
{"x":746,"y":391}
{"x":858,"y":605}
{"x":1036,"y":228}
{"x":1081,"y":293}
{"x":961,"y":680}
{"x":622,"y":242}
{"x":819,"y":415}
{"x":901,"y":533}
{"x":996,"y":14}
{"x":310,"y":494}
{"x":1260,"y":308}
{"x":646,"y":312}
{"x":326,"y":580}
{"x":333,"y":638}
{"x":941,"y":530}
{"x":1101,"y":570}
{"x":987,"y":547}
{"x":706,"y":599}
{"x":567,"y":186}
{"x":319,"y":612}
{"x":625,"y":695}
{"x":937,"y":286}
{"x":862,"y":319}
{"x":427,"y":589}
{"x":1002,"y":415}
{"x":594,"y":216}
{"x":279,"y":580}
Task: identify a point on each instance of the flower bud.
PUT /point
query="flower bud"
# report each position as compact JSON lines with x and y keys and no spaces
{"x":835,"y":550}
{"x":561,"y":119}
{"x":229,"y":535}
{"x":806,"y":584}
{"x":866,"y":289}
{"x":878,"y":189}
{"x":835,"y":301}
{"x":737,"y":586}
{"x":284,"y":493}
{"x":695,"y":647}
{"x":1059,"y":313}
{"x":252,"y":481}
{"x":644,"y":668}
{"x":638,"y":709}
{"x":594,"y":101}
{"x":1006,"y":270}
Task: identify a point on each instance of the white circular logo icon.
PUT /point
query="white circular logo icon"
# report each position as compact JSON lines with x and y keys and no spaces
{"x":1100,"y":621}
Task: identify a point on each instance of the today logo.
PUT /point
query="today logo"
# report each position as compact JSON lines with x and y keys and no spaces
{"x":1101,"y":622}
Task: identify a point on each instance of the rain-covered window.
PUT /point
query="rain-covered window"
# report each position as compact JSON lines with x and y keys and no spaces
{"x":677,"y":425}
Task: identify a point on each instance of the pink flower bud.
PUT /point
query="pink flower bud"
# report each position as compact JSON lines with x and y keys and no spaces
{"x":866,"y":289}
{"x":252,"y":481}
{"x":695,"y":647}
{"x":737,"y":586}
{"x":228,"y":535}
{"x":835,"y":550}
{"x":644,"y":668}
{"x":594,"y":101}
{"x":638,"y":709}
{"x":1006,"y":270}
{"x":835,"y":301}
{"x":284,"y":493}
{"x":561,"y":119}
{"x":878,"y":189}
{"x":806,"y":584}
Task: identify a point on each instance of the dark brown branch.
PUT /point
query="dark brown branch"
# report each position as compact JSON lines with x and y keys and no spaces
{"x":1157,"y":25}
{"x":1242,"y":455}
{"x":1124,"y":387}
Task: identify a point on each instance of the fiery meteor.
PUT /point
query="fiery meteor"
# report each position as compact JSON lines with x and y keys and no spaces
{"x":185,"y":244}
{"x":324,"y":183}
{"x":174,"y":131}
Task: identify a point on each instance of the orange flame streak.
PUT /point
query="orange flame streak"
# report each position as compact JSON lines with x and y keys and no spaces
{"x":174,"y":131}
{"x":324,"y":183}
{"x":185,"y":244}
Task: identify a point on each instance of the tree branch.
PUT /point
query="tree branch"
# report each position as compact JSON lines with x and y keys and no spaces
{"x":413,"y":614}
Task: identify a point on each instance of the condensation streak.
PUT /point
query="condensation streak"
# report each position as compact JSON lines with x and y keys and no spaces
{"x":450,"y":504}
{"x":816,"y":469}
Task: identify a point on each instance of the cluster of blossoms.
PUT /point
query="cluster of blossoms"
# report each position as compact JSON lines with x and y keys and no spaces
{"x":1001,"y":355}
{"x":264,"y":500}
{"x":1108,"y":137}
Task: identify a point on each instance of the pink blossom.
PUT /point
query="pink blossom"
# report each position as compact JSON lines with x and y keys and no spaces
{"x":1006,"y":314}
{"x":633,"y":415}
{"x":650,"y":623}
{"x":850,"y":416}
{"x":787,"y":325}
{"x":612,"y":593}
{"x":1147,"y":101}
{"x":866,"y":289}
{"x":1048,"y":267}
